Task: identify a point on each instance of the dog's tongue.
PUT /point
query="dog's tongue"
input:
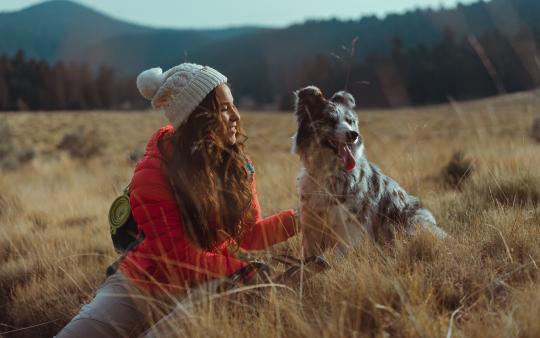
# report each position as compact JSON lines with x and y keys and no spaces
{"x":347,"y":157}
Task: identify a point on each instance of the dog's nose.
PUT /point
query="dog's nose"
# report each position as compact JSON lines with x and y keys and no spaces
{"x":352,"y":136}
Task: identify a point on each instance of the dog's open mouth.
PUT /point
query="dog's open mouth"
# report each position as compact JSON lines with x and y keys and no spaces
{"x":344,"y":152}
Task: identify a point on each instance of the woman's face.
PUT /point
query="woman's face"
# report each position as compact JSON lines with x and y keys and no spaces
{"x":229,"y":113}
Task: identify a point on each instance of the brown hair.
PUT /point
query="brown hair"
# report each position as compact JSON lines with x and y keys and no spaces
{"x":208,"y":176}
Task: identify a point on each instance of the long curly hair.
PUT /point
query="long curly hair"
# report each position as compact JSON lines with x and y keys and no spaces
{"x":208,"y":177}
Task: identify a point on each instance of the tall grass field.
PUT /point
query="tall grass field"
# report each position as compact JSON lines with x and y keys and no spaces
{"x":474,"y":165}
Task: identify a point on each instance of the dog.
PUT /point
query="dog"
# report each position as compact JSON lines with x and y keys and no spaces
{"x":344,"y":197}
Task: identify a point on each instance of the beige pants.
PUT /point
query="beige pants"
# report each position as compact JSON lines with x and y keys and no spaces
{"x":167,"y":326}
{"x":120,"y":309}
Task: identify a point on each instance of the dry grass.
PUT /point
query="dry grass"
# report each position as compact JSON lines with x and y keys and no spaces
{"x":484,"y":282}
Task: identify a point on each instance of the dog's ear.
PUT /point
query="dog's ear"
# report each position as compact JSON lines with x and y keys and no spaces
{"x":311,"y":98}
{"x":344,"y":98}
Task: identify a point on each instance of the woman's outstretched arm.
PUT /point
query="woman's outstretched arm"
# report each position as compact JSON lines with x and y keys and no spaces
{"x":270,"y":230}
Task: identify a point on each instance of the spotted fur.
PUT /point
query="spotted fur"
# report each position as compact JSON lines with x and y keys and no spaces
{"x":339,"y":208}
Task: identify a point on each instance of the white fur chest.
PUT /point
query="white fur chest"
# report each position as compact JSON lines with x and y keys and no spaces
{"x":327,"y":215}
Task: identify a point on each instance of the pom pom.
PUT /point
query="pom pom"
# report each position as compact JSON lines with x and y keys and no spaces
{"x":149,"y":82}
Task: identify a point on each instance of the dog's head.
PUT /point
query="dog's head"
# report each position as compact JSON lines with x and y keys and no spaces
{"x":330,"y":125}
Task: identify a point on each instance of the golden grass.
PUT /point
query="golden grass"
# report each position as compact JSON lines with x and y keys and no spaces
{"x":484,"y":282}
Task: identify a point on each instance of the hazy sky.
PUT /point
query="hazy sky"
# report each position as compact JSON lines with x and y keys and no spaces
{"x":195,"y":13}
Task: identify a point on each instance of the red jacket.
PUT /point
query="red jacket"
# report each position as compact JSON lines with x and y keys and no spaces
{"x":167,"y":259}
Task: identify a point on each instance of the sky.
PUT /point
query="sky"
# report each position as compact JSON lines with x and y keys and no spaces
{"x":274,"y":13}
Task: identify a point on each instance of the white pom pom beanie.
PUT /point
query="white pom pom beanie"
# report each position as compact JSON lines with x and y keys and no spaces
{"x":179,"y":90}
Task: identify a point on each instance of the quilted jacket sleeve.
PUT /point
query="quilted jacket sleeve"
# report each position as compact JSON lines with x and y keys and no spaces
{"x":270,"y":230}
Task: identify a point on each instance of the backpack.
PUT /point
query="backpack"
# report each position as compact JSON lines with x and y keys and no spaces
{"x":124,"y":231}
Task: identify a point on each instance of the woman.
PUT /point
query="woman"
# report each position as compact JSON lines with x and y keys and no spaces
{"x":193,"y":196}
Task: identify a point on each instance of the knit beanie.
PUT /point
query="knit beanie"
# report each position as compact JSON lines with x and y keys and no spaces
{"x":179,"y":90}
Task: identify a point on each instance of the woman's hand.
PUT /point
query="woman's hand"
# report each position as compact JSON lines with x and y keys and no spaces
{"x":260,"y":275}
{"x":252,"y":274}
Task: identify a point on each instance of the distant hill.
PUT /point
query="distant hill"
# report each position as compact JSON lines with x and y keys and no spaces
{"x":130,"y":53}
{"x":265,"y":64}
{"x":57,"y":29}
{"x":65,"y":30}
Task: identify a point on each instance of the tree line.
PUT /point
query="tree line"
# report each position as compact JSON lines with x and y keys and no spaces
{"x":30,"y":84}
{"x":458,"y":67}
{"x":464,"y":68}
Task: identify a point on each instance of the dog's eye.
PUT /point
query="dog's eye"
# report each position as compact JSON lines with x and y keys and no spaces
{"x":349,"y":120}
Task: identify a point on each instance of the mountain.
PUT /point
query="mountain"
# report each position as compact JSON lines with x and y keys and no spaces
{"x":399,"y":51}
{"x":164,"y":47}
{"x":284,"y":56}
{"x":65,"y":30}
{"x":57,"y":29}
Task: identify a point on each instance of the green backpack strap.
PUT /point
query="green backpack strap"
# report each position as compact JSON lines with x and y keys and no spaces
{"x":125,"y":234}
